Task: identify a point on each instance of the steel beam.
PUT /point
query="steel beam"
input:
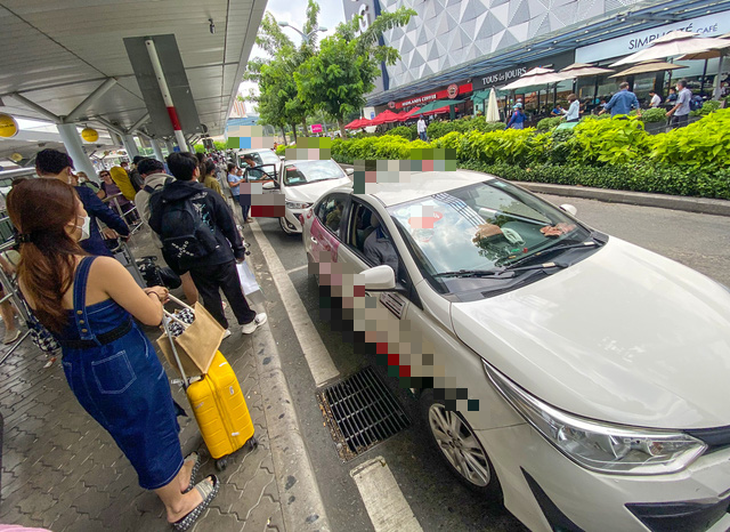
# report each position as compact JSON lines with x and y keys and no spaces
{"x":90,"y":100}
{"x":139,"y":123}
{"x":35,"y":107}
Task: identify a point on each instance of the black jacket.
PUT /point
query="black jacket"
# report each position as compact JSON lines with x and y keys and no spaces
{"x":215,"y":213}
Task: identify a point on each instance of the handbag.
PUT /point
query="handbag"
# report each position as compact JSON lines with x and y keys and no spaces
{"x":41,"y":337}
{"x":196,"y":343}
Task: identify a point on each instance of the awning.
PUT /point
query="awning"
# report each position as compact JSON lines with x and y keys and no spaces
{"x":385,"y":117}
{"x":438,"y":104}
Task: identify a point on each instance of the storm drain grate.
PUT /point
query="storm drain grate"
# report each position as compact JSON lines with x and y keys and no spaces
{"x":360,"y":413}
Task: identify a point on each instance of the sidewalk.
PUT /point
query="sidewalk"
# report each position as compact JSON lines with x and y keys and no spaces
{"x":62,"y":471}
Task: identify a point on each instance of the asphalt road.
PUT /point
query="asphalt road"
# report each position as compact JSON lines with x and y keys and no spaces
{"x":438,"y":501}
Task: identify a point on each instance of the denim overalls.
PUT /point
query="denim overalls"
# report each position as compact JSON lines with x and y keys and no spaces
{"x":115,"y":374}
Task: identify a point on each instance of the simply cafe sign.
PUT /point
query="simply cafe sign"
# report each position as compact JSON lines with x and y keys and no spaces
{"x":450,"y":92}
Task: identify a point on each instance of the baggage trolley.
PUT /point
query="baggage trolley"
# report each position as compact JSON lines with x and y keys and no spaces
{"x":217,"y":401}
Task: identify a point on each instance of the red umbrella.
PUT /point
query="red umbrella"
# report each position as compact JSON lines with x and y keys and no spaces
{"x":410,"y":114}
{"x":353,"y":124}
{"x":438,"y":111}
{"x":385,"y":117}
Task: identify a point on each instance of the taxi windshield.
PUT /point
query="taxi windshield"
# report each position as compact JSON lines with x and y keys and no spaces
{"x":482,"y":227}
{"x":304,"y":172}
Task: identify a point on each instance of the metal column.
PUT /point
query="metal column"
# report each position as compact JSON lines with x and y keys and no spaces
{"x":170,"y":146}
{"x":130,"y":146}
{"x":158,"y":150}
{"x":72,"y":141}
{"x":166,"y":97}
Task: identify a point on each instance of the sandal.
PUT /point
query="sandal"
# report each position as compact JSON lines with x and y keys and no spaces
{"x":194,"y":471}
{"x":208,"y":491}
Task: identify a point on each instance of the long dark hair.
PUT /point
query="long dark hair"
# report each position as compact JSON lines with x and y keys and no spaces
{"x":41,"y":209}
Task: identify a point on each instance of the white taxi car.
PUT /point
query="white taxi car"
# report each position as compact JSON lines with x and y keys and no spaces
{"x":602,"y":370}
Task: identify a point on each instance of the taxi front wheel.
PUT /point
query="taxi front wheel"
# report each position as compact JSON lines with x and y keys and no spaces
{"x":457,"y":443}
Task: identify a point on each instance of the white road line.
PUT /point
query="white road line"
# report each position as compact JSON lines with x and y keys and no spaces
{"x":297,"y":269}
{"x":318,"y":358}
{"x":387,"y":507}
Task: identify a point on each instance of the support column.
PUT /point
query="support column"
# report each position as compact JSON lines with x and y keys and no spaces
{"x":166,"y":96}
{"x":72,"y":141}
{"x":130,"y":146}
{"x":158,"y":150}
{"x":170,"y":146}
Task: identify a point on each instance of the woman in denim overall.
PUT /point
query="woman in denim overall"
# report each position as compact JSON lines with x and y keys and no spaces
{"x":88,"y":303}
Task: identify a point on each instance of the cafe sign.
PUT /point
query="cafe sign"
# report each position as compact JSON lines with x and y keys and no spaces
{"x":452,"y":91}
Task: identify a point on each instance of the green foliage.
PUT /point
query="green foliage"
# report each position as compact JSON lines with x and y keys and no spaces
{"x":704,"y":144}
{"x":546,"y":124}
{"x":402,"y":131}
{"x":708,"y":107}
{"x":656,"y":114}
{"x":462,"y":125}
{"x":614,"y":141}
{"x":280,"y":149}
{"x":219,"y":145}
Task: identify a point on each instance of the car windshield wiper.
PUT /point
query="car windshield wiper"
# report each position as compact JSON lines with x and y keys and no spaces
{"x":529,"y":258}
{"x":471,"y":273}
{"x":503,"y":273}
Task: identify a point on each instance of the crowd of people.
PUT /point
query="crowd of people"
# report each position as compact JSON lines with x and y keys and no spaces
{"x":91,"y":303}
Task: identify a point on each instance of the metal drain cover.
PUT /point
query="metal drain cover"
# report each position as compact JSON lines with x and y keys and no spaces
{"x":360,"y":412}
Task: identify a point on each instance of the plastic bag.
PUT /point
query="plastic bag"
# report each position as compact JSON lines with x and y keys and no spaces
{"x":247,"y":278}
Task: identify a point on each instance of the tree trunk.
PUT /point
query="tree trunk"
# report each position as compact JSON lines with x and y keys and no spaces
{"x":304,"y":125}
{"x":294,"y":132}
{"x":341,"y":123}
{"x":283,"y":134}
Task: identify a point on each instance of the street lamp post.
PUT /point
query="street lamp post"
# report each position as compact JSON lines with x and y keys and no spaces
{"x":305,"y":36}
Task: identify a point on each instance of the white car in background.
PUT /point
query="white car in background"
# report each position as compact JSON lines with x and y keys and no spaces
{"x":302,"y":183}
{"x":261,"y":156}
{"x":602,"y":370}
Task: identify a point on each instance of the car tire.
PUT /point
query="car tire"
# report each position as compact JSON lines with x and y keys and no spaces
{"x":460,"y":448}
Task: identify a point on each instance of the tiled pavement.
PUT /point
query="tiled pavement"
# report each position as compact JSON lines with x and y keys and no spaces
{"x":62,"y":471}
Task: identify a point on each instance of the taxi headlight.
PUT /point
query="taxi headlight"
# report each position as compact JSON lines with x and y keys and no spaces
{"x":292,"y":205}
{"x":602,"y":446}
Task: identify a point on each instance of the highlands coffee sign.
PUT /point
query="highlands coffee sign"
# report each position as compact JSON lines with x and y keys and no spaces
{"x":451,"y":92}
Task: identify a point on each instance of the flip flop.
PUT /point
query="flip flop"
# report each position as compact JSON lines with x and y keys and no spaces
{"x":208,"y":492}
{"x":194,"y":471}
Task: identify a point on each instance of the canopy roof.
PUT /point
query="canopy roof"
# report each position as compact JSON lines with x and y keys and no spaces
{"x":56,"y":54}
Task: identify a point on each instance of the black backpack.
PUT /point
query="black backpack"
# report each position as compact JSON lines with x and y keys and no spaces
{"x":184,"y":233}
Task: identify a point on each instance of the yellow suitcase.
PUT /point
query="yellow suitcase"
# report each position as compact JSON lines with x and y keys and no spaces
{"x":221,"y":412}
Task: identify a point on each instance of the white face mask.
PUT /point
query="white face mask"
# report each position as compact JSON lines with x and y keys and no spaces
{"x":85,"y":228}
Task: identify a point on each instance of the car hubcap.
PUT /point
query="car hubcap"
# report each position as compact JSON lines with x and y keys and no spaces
{"x":459,"y":445}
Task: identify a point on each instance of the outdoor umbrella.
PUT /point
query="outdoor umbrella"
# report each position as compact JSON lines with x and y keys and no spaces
{"x":385,"y":117}
{"x":439,"y":111}
{"x":581,"y":70}
{"x":673,"y":44}
{"x":647,"y":66}
{"x":722,"y":53}
{"x":492,"y":114}
{"x":534,"y":77}
{"x":410,"y":114}
{"x":438,"y":104}
{"x":353,"y":124}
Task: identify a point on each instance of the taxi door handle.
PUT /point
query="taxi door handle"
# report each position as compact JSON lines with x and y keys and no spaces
{"x":314,"y":240}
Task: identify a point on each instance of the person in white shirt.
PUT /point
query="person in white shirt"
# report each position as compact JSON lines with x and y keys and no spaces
{"x":573,"y":114}
{"x":656,"y":100}
{"x":421,"y":128}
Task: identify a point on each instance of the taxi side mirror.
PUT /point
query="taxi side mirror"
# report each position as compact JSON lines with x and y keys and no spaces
{"x":350,"y":171}
{"x":379,"y":279}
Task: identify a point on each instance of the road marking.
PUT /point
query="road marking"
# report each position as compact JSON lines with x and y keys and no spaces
{"x":297,"y":269}
{"x":384,"y":501}
{"x":318,"y":358}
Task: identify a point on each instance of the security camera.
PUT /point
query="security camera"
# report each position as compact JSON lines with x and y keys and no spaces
{"x":212,"y":26}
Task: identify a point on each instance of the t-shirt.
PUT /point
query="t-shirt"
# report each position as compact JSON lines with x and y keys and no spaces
{"x":683,"y":100}
{"x":573,"y":111}
{"x":622,"y":102}
{"x":656,"y":100}
{"x":232,"y":179}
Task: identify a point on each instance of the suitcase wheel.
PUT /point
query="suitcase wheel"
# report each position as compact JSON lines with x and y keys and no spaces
{"x":252,"y":443}
{"x":221,"y":463}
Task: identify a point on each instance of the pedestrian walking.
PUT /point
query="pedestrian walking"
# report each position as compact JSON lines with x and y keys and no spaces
{"x":199,"y":235}
{"x":421,"y":128}
{"x":88,"y":303}
{"x":573,"y":113}
{"x":153,"y":173}
{"x":622,"y":102}
{"x":679,"y":114}
{"x":517,"y":120}
{"x":655,"y":101}
{"x":55,"y":164}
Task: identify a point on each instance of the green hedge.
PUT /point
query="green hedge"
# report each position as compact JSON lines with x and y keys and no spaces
{"x":437,"y":129}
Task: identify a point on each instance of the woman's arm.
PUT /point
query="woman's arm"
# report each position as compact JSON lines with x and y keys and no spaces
{"x":113,"y":279}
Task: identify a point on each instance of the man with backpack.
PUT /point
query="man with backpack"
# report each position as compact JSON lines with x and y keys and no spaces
{"x":199,"y":235}
{"x":679,"y":114}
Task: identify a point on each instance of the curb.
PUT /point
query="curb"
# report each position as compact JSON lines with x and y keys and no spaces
{"x":301,"y":501}
{"x":664,"y":201}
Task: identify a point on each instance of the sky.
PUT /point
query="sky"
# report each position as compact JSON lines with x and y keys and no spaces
{"x":293,"y":11}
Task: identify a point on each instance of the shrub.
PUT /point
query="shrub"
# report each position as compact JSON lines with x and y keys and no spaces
{"x":704,"y":144}
{"x":546,"y":124}
{"x":437,"y":130}
{"x":615,"y":141}
{"x":280,"y":149}
{"x":656,"y":114}
{"x":708,"y":107}
{"x":402,"y":131}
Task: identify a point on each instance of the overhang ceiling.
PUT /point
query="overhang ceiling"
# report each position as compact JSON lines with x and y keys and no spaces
{"x":56,"y":53}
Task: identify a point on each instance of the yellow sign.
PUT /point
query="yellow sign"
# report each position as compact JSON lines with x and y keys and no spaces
{"x":16,"y":157}
{"x":89,"y":134}
{"x":8,"y":126}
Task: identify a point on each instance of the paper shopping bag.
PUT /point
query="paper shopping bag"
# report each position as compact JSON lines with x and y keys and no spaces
{"x":247,"y":279}
{"x":197,"y":345}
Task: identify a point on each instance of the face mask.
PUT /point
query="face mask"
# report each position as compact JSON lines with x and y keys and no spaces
{"x":85,"y":228}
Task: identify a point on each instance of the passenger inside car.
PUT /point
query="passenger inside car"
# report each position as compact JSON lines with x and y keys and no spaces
{"x":378,"y":247}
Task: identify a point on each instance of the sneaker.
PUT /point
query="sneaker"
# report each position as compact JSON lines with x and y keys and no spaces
{"x":226,"y":334}
{"x":11,"y":336}
{"x":259,"y":320}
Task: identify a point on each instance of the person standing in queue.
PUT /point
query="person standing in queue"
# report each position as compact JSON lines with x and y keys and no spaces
{"x":88,"y":303}
{"x":55,"y":164}
{"x":210,"y":249}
